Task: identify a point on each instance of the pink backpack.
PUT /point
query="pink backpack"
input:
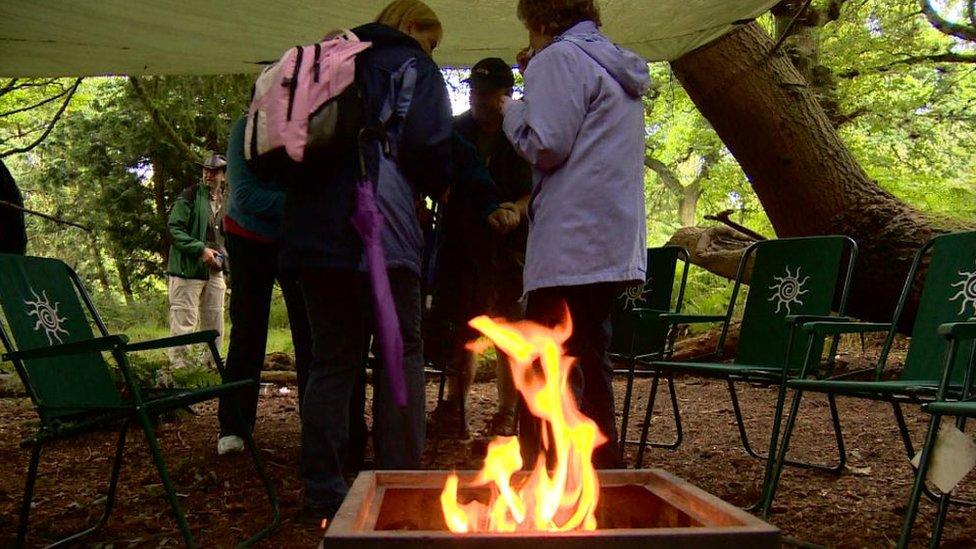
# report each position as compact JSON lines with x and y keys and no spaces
{"x":304,"y":104}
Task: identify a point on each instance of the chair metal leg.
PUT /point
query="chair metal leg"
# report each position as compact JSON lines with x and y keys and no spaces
{"x":906,"y":437}
{"x":739,"y":421}
{"x":628,"y":393}
{"x":109,"y":498}
{"x":160,"y":463}
{"x":678,"y":431}
{"x":679,"y":435}
{"x":28,"y":494}
{"x":268,"y":488}
{"x":646,"y":426}
{"x":923,"y":467}
{"x":772,"y":482}
{"x":777,"y":418}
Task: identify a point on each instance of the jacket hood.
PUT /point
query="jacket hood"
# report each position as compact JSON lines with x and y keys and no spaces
{"x":384,"y":36}
{"x":626,"y":67}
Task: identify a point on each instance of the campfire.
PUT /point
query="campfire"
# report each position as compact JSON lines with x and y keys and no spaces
{"x":561,"y":493}
{"x":562,"y":502}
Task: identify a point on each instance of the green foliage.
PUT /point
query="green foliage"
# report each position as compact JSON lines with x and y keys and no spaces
{"x":907,"y":115}
{"x":109,"y":166}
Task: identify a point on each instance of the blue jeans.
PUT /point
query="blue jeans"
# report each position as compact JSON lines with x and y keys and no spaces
{"x":339,"y":308}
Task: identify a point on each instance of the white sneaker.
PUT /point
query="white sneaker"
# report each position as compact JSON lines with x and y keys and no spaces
{"x":231,"y":444}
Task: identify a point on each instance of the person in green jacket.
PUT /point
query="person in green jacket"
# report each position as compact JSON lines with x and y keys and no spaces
{"x":197,"y":260}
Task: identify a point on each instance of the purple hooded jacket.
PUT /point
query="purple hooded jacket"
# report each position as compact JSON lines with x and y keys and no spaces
{"x":581,"y":126}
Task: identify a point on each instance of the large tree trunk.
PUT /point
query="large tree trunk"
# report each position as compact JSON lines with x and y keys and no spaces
{"x":809,"y":183}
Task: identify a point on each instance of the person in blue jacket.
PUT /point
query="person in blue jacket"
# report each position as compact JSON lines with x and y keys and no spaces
{"x":581,"y":126}
{"x":322,"y":245}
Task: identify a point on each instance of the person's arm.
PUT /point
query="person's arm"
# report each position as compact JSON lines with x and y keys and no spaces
{"x":543,"y":126}
{"x":179,"y":223}
{"x":426,"y":145}
{"x":260,"y":198}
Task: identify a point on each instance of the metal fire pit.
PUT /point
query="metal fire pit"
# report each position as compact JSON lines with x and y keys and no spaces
{"x":639,"y":509}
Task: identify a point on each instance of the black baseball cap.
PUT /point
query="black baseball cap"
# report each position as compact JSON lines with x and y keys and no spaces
{"x":492,"y":73}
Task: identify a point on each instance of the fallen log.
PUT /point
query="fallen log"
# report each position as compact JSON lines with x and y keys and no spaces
{"x":716,"y":249}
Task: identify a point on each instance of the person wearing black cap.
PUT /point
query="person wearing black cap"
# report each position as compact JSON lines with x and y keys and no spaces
{"x":196,"y":260}
{"x":492,"y":278}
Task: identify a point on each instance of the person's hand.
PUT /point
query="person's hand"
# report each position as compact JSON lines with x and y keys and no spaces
{"x":504,"y":102}
{"x":210,"y":259}
{"x":523,"y":57}
{"x":505,"y":219}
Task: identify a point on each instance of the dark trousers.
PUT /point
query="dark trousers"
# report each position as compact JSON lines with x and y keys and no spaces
{"x":340,"y":314}
{"x":592,"y":378}
{"x":253,"y":270}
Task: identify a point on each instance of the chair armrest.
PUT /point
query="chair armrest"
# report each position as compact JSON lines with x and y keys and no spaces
{"x":805,"y":319}
{"x":679,"y":318}
{"x":837,"y":328}
{"x":645,"y":313}
{"x":98,"y":344}
{"x":205,"y":336}
{"x":959,"y":330}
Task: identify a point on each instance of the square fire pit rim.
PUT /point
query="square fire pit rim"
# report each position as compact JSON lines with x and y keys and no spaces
{"x":360,"y":512}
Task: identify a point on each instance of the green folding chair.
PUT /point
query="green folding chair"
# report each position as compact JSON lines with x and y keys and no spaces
{"x":948,"y":295}
{"x":640,"y":333}
{"x":61,"y":364}
{"x":958,"y":335}
{"x":790,"y":277}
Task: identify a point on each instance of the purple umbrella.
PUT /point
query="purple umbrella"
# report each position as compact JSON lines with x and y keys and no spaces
{"x":368,"y":221}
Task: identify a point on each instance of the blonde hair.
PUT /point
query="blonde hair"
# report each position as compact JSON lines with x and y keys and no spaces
{"x":400,"y":13}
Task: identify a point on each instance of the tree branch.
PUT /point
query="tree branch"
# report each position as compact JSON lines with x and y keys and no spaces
{"x":159,"y":120}
{"x":58,"y":220}
{"x":668,"y":178}
{"x":943,"y":25}
{"x":36,"y":105}
{"x":947,"y":57}
{"x":13,"y":85}
{"x":8,"y":86}
{"x":50,"y":127}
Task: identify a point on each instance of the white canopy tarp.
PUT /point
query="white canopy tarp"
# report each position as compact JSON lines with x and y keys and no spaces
{"x":89,"y":37}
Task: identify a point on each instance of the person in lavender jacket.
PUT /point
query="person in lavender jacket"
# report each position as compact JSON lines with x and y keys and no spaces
{"x":581,"y":126}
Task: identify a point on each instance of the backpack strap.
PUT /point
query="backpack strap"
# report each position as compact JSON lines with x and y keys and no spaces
{"x":399,"y":97}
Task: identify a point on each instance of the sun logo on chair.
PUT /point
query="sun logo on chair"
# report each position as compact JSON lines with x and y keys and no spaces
{"x":788,"y":290}
{"x":967,"y":290}
{"x":47,"y":316}
{"x":633,"y":295}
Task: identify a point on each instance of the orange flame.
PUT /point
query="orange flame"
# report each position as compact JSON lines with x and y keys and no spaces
{"x":557,"y":500}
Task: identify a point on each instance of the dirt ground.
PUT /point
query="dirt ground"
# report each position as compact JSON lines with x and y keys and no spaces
{"x":861,"y":508}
